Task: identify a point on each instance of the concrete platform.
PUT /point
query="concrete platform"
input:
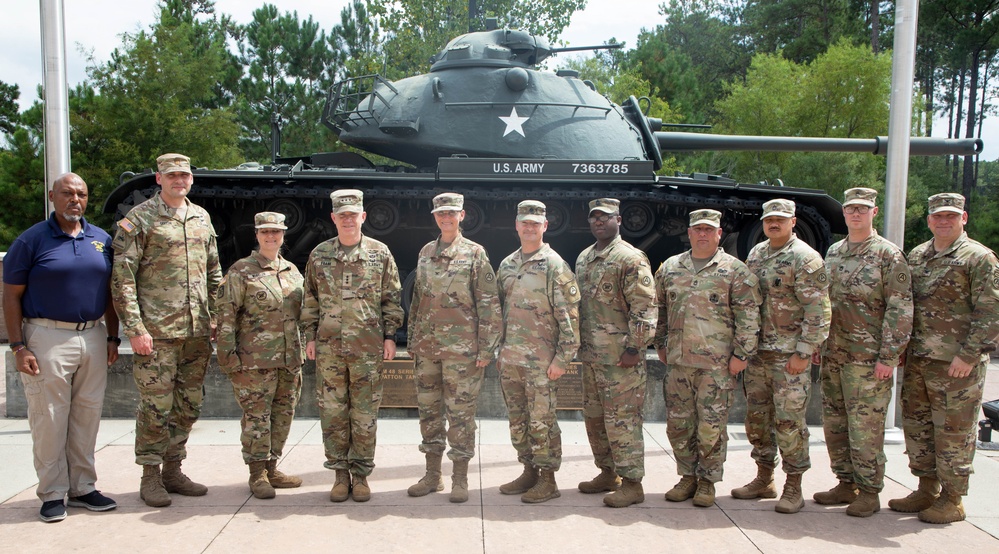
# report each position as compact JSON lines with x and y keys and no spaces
{"x":228,"y":519}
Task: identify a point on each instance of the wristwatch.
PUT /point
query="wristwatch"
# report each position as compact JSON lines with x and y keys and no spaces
{"x":114,"y":339}
{"x":740,"y":357}
{"x":631,"y":351}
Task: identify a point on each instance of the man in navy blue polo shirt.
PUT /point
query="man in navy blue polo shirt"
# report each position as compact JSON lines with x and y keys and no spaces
{"x":55,"y":291}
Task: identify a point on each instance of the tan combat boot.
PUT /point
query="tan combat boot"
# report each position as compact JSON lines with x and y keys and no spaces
{"x":606,"y":481}
{"x":259,"y":485}
{"x":684,"y":490}
{"x":175,"y":481}
{"x":359,"y":489}
{"x":760,"y":487}
{"x":705,"y":495}
{"x":431,"y":481}
{"x":151,"y":489}
{"x":919,"y":499}
{"x":341,"y":486}
{"x":791,"y":501}
{"x":281,"y":480}
{"x":521,"y":484}
{"x":947,"y":508}
{"x":545,"y":489}
{"x":843,"y":493}
{"x":459,"y":482}
{"x":631,"y":492}
{"x":865,"y":505}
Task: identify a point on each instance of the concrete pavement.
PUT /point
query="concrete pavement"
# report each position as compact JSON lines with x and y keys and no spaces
{"x":228,"y":519}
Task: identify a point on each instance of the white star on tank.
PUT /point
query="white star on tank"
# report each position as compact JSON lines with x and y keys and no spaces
{"x":514,"y":123}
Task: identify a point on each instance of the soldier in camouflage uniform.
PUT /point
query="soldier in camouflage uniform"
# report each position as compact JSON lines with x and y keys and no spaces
{"x":454,"y":326}
{"x":709,"y":317}
{"x":955,"y":288}
{"x":794,"y":321}
{"x":165,"y":277}
{"x":617,"y":319}
{"x":350,"y":316}
{"x":871,"y":297}
{"x":260,"y":349}
{"x":540,"y":338}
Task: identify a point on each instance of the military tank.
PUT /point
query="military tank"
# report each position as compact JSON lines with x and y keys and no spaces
{"x":486,"y":122}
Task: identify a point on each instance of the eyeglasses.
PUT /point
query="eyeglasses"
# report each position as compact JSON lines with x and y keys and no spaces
{"x":856,"y":209}
{"x":602,"y":218}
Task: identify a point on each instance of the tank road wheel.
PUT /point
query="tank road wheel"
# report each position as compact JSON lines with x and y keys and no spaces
{"x":383,"y":218}
{"x":474,"y":219}
{"x":637,"y":220}
{"x":294,"y":216}
{"x":750,"y":235}
{"x":813,"y":229}
{"x":558,"y":219}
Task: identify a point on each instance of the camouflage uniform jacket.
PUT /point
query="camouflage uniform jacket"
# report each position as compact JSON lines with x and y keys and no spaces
{"x":795,"y":312}
{"x":956,"y":299}
{"x":540,"y":309}
{"x":455,"y":309}
{"x":166,"y":271}
{"x":352,"y":297}
{"x":871,"y":296}
{"x":618,"y":307}
{"x":707,"y":316}
{"x":259,"y":305}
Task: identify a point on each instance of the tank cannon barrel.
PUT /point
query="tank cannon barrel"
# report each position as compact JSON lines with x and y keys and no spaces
{"x":918,"y":146}
{"x":612,"y":46}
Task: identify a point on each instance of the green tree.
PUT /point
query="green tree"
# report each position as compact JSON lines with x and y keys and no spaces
{"x":8,"y":107}
{"x":21,"y":185}
{"x":801,"y":29}
{"x":356,"y":43}
{"x":842,"y":93}
{"x":159,"y":92}
{"x":286,"y":60}
{"x":692,"y":56}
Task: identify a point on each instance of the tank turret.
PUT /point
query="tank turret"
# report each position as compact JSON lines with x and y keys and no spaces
{"x":484,"y":98}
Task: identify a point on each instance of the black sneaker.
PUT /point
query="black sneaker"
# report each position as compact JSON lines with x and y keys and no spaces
{"x":52,"y":511}
{"x":93,"y":501}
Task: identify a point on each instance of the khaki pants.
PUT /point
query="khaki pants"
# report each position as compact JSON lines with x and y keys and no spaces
{"x":64,"y":406}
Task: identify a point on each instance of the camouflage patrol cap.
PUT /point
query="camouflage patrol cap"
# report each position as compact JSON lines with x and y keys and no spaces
{"x":606,"y":205}
{"x":448,"y":201}
{"x":706,"y":217}
{"x":860,"y":195}
{"x":531,"y":210}
{"x":347,"y":201}
{"x":947,"y":202}
{"x":778,"y":207}
{"x":169,"y":163}
{"x":269,"y":220}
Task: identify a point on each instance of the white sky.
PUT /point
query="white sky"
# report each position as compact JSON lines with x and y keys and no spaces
{"x":95,"y":26}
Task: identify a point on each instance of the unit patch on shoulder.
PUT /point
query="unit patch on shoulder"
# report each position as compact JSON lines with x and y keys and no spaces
{"x":126,"y":225}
